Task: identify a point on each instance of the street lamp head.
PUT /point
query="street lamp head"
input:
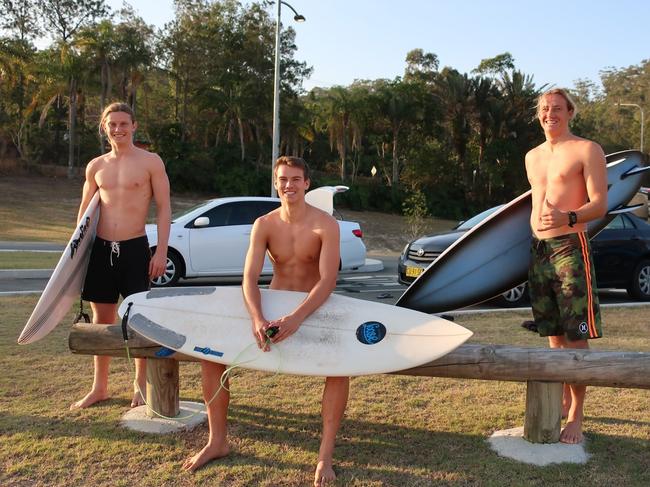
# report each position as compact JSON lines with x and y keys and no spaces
{"x":296,"y":16}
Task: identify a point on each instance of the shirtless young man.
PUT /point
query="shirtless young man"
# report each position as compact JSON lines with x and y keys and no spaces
{"x":568,"y":178}
{"x":120,"y":263}
{"x":303,"y":244}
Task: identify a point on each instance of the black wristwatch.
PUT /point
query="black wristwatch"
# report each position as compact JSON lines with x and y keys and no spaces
{"x":573,"y":218}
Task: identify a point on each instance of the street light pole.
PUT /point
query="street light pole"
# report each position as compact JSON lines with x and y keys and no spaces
{"x":642,"y":121}
{"x":275,"y":151}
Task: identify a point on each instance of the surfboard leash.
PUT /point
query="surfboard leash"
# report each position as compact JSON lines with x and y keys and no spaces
{"x":81,"y":313}
{"x":270,"y":333}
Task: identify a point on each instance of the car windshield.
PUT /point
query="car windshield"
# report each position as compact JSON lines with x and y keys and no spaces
{"x":476,"y":219}
{"x":184,"y":210}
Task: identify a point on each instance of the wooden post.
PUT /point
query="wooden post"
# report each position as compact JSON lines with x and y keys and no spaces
{"x":162,"y":388}
{"x":543,"y":412}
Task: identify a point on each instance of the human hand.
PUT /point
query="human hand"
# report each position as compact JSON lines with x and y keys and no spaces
{"x":157,"y":265}
{"x":551,"y":217}
{"x":286,"y":326}
{"x":259,"y":332}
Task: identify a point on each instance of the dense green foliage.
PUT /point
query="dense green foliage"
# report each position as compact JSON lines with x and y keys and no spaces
{"x":202,"y":91}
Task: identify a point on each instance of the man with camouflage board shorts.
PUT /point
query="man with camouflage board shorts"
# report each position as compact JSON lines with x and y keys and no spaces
{"x":568,"y":178}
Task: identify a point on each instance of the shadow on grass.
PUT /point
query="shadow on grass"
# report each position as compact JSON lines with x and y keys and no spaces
{"x":616,"y":421}
{"x":394,"y":454}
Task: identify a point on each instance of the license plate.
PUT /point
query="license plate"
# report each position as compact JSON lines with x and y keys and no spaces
{"x":413,"y":271}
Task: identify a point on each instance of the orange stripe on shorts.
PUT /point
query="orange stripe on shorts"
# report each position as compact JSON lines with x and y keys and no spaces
{"x":591,"y":319}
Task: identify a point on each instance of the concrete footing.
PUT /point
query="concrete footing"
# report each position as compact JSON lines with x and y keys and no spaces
{"x":511,"y":444}
{"x":191,"y":415}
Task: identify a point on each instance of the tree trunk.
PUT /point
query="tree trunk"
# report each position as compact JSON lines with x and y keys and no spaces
{"x":240,"y":126}
{"x":106,"y":89}
{"x":72,"y":126}
{"x":395,"y":177}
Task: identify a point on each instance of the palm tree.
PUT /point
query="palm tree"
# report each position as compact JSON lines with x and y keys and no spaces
{"x":66,"y":18}
{"x":455,"y":92}
{"x":334,"y":111}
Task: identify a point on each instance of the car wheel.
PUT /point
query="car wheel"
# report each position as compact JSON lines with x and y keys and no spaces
{"x":640,"y":286}
{"x":173,"y":271}
{"x":514,"y":297}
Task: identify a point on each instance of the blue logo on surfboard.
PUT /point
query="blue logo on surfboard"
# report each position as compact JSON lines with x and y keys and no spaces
{"x":371,"y":332}
{"x":208,"y":351}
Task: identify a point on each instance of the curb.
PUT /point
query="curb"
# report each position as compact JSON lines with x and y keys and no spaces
{"x":371,"y":265}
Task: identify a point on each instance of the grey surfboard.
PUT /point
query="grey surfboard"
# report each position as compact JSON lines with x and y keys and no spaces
{"x":493,"y":256}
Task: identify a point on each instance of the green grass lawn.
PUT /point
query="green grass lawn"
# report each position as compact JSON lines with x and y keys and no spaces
{"x":29,"y":260}
{"x":398,"y":431}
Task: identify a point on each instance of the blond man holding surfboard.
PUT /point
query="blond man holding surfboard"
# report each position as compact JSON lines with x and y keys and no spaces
{"x":127,"y":179}
{"x":568,"y":178}
{"x":303,"y":244}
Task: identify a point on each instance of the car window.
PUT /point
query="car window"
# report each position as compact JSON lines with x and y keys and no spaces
{"x":264,"y":207}
{"x":184,"y":211}
{"x":243,"y":213}
{"x":476,"y":219}
{"x":617,"y":223}
{"x":237,"y":213}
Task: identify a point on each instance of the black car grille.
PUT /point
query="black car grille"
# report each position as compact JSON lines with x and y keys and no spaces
{"x":427,"y":256}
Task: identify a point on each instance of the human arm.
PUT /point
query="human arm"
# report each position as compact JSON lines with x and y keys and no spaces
{"x":160,"y":188}
{"x":252,"y":271}
{"x":89,"y":189}
{"x":595,"y":173}
{"x":328,"y":265}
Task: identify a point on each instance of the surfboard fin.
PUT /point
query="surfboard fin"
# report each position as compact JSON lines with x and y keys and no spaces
{"x":634,"y":170}
{"x":624,"y":209}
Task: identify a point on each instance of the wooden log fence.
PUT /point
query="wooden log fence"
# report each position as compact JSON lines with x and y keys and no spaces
{"x":544,"y":370}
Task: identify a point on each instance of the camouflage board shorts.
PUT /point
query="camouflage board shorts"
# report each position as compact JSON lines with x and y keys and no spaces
{"x":562,"y":285}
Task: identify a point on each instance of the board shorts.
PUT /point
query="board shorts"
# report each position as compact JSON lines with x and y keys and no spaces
{"x":562,"y":286}
{"x":117,"y":268}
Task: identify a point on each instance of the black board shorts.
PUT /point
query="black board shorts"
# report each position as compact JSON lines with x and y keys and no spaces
{"x":117,"y":268}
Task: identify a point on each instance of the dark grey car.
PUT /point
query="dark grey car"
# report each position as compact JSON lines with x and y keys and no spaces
{"x":621,"y":253}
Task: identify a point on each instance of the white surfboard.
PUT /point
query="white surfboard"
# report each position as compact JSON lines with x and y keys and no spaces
{"x":323,"y":197}
{"x":344,"y":337}
{"x":66,"y":281}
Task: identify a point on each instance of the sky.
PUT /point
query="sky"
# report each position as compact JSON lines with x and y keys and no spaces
{"x":344,"y":40}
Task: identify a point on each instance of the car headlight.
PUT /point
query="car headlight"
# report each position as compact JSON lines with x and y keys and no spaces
{"x":405,"y":251}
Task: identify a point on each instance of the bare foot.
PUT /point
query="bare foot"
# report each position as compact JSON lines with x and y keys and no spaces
{"x":208,"y":453}
{"x":89,"y":399}
{"x":572,"y":433}
{"x":137,"y":397}
{"x":324,"y":474}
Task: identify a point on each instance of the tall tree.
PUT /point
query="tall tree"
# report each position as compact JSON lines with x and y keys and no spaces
{"x":66,"y":18}
{"x":455,"y":92}
{"x":19,"y":17}
{"x":495,"y":66}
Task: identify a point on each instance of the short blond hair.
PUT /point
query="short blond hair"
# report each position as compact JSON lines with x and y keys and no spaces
{"x":571,"y":105}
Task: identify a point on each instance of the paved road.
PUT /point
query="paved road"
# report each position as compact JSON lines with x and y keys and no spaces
{"x":381,"y":286}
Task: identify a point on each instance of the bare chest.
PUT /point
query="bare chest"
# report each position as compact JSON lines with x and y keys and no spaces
{"x":123,"y":178}
{"x":555,"y":171}
{"x":295,"y":245}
